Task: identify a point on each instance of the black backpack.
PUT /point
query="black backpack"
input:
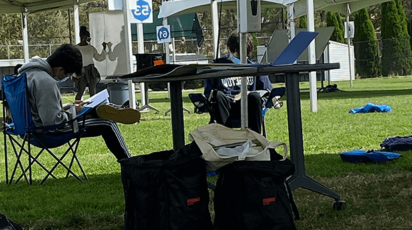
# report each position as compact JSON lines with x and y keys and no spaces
{"x":7,"y":224}
{"x":166,"y":190}
{"x":255,"y":195}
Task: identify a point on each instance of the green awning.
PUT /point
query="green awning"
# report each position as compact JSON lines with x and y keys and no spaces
{"x":186,"y":25}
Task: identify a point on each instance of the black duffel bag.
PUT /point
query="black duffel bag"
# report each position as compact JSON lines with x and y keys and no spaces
{"x":255,"y":195}
{"x":166,"y":190}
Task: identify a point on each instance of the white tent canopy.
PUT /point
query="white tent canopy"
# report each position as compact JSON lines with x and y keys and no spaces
{"x":32,"y":6}
{"x":297,"y":9}
{"x":338,"y":6}
{"x":177,"y":7}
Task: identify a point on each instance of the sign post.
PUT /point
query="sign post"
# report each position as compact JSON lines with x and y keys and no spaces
{"x":163,"y":34}
{"x":140,"y":11}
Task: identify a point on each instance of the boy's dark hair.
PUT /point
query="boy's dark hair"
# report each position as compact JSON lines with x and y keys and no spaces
{"x":84,"y":31}
{"x":68,"y":57}
{"x":233,"y":43}
{"x":16,"y":68}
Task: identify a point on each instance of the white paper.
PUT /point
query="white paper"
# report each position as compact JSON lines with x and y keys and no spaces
{"x":95,"y":100}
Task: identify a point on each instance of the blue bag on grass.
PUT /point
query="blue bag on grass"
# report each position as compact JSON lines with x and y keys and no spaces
{"x":371,"y":156}
{"x":370,"y":107}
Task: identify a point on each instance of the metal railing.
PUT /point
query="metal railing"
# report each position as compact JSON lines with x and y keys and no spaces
{"x":190,"y":46}
{"x":16,"y":51}
{"x":45,"y":50}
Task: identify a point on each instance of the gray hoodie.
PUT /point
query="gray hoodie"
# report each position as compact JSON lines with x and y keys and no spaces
{"x":44,"y":93}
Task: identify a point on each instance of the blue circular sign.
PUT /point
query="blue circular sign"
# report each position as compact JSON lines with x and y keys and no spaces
{"x":142,"y":11}
{"x":163,"y":33}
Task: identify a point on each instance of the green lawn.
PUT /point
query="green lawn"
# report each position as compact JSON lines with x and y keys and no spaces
{"x":378,"y":196}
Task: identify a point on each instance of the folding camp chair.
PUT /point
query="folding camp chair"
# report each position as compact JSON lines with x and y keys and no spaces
{"x":269,"y":99}
{"x":19,"y":129}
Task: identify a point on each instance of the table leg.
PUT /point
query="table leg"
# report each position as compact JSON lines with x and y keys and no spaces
{"x":144,"y":90}
{"x":299,"y":178}
{"x":178,"y":126}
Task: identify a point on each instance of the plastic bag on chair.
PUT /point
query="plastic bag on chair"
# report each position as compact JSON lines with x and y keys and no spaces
{"x":213,"y":137}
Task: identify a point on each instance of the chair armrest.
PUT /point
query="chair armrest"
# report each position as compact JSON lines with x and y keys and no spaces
{"x":276,"y":93}
{"x":200,"y":102}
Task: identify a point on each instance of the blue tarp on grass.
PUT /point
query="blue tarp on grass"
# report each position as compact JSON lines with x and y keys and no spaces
{"x":370,"y":108}
{"x":363,"y":156}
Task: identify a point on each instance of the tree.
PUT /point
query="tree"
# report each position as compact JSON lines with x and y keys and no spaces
{"x":366,"y":48}
{"x":303,"y":22}
{"x":410,"y":31}
{"x":10,"y":33}
{"x":396,"y":49}
{"x":340,"y":20}
{"x":333,"y":19}
{"x":273,"y":19}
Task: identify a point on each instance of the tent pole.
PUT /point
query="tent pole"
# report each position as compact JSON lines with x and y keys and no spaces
{"x":312,"y":58}
{"x":70,"y":26}
{"x":215,"y":26}
{"x":166,"y":50}
{"x":76,"y":23}
{"x":140,"y":50}
{"x":291,"y":23}
{"x":349,"y":52}
{"x":143,"y":87}
{"x":174,"y":50}
{"x":243,"y":60}
{"x":129,"y":64}
{"x":25,"y":37}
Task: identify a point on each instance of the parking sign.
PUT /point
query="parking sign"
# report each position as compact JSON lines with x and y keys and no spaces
{"x":163,"y":34}
{"x":140,"y":11}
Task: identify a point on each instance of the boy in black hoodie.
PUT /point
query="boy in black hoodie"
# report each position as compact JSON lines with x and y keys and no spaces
{"x":227,"y":108}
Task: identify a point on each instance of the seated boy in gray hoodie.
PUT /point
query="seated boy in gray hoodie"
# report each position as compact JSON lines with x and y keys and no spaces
{"x":43,"y":77}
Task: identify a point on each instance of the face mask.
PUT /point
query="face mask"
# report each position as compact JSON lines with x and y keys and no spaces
{"x":235,"y":59}
{"x":56,"y":78}
{"x":60,"y":80}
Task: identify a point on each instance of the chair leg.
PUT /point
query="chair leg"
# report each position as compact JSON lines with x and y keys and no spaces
{"x":70,"y":166}
{"x":5,"y":151}
{"x":30,"y":162}
{"x":74,"y":157}
{"x":81,"y":168}
{"x":59,"y":161}
{"x":18,"y":154}
{"x":34,"y":160}
{"x":24,"y":147}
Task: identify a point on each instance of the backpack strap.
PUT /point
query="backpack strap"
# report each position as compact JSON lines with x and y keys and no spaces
{"x":292,"y":202}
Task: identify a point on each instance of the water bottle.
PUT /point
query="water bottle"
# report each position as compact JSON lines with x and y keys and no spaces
{"x":75,"y":124}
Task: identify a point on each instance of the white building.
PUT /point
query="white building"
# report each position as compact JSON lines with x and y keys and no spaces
{"x":337,"y":52}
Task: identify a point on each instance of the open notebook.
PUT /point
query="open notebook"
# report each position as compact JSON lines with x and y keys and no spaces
{"x":97,"y":99}
{"x":295,"y":48}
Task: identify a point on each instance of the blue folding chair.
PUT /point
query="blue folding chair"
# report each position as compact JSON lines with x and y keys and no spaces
{"x":22,"y":134}
{"x":269,"y":99}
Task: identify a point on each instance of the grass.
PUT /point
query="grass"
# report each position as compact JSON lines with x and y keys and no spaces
{"x":378,"y":196}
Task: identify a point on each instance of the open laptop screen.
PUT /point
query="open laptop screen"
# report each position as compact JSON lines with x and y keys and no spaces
{"x":295,"y":48}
